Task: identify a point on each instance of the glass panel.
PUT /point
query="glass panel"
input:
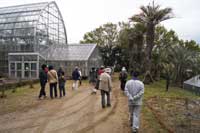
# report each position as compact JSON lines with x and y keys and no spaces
{"x":12,"y":73}
{"x":19,"y":74}
{"x":26,"y":66}
{"x":33,"y":74}
{"x":33,"y":66}
{"x":19,"y":66}
{"x":26,"y":74}
{"x":30,"y":58}
{"x":12,"y":66}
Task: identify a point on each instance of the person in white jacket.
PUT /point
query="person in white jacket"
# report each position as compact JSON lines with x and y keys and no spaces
{"x":134,"y":90}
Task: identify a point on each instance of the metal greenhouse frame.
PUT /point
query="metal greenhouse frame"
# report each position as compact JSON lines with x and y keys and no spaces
{"x":26,"y":29}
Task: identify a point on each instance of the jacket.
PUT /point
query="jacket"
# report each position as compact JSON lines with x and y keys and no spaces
{"x":105,"y":82}
{"x":43,"y":77}
{"x":52,"y":76}
{"x":62,"y":81}
{"x":123,"y":76}
{"x":134,"y":89}
{"x":75,"y":75}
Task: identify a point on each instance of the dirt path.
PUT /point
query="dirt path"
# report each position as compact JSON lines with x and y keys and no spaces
{"x":78,"y":112}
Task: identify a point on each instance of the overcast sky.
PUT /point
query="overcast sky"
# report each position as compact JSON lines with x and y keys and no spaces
{"x":82,"y":16}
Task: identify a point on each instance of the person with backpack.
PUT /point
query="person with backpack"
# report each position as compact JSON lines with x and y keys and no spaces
{"x":53,"y":80}
{"x":123,"y":78}
{"x":99,"y":72}
{"x":61,"y":81}
{"x":75,"y":77}
{"x":134,"y":90}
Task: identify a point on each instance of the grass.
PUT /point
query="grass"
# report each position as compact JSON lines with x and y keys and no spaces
{"x":149,"y":122}
{"x":23,"y":96}
{"x":158,"y":89}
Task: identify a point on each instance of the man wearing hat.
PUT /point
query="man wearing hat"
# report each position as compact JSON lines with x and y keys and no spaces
{"x":123,"y":77}
{"x":105,"y":86}
{"x":134,"y":89}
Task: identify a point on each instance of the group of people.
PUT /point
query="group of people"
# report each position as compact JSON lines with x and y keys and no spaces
{"x":56,"y":78}
{"x":100,"y":80}
{"x":53,"y":77}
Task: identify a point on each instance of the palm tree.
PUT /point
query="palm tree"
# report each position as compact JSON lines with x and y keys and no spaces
{"x":183,"y":60}
{"x":151,"y":16}
{"x":136,"y":46}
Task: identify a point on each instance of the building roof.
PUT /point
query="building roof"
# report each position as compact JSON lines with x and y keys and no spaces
{"x":25,"y":7}
{"x":29,"y":20}
{"x":70,"y":52}
{"x":194,"y":81}
{"x":21,"y":15}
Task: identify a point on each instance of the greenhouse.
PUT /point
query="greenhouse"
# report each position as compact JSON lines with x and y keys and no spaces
{"x":29,"y":28}
{"x":193,"y":85}
{"x":84,"y":56}
{"x":26,"y":31}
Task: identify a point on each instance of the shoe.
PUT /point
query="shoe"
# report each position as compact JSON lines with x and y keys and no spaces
{"x":135,"y":130}
{"x":103,"y":107}
{"x":109,"y":105}
{"x":131,"y":124}
{"x":93,"y":93}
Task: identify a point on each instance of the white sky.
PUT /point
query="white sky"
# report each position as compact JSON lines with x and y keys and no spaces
{"x":82,"y":16}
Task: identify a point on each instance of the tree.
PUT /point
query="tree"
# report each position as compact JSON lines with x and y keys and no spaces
{"x":183,"y":59}
{"x":106,"y":38}
{"x":136,"y":46}
{"x":151,"y":16}
{"x":163,"y":41}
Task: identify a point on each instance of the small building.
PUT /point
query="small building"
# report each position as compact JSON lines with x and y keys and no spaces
{"x":84,"y":56}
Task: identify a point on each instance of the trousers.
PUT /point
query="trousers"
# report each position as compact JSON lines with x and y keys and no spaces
{"x":103,"y":94}
{"x":134,"y":111}
{"x":42,"y":90}
{"x":53,"y":87}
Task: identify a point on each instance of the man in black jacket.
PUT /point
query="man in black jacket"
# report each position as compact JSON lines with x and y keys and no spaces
{"x":75,"y":77}
{"x":43,"y":81}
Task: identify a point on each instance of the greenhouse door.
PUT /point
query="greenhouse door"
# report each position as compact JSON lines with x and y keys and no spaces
{"x":30,"y":70}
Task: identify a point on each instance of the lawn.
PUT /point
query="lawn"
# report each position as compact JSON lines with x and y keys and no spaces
{"x":167,"y":111}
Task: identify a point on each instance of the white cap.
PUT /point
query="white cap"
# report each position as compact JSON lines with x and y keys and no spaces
{"x":123,"y":69}
{"x":108,"y":70}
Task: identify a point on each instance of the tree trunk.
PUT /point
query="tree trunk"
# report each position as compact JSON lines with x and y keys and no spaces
{"x":149,"y":46}
{"x":157,"y":74}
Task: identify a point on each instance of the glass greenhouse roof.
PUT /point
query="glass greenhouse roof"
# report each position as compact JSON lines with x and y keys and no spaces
{"x":22,"y":8}
{"x":32,"y":24}
{"x":11,"y":16}
{"x":70,"y":52}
